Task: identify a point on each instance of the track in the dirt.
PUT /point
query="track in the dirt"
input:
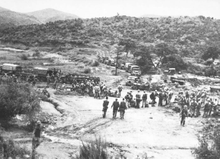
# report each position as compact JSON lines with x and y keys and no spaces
{"x":91,"y":127}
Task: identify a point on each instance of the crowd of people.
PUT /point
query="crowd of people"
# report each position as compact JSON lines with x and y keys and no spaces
{"x":191,"y":104}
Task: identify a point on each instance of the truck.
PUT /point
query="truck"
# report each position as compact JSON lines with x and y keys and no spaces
{"x":135,"y":70}
{"x":11,"y":69}
{"x":127,"y":66}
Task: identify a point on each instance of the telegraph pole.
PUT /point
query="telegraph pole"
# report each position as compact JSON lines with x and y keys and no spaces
{"x":116,"y":66}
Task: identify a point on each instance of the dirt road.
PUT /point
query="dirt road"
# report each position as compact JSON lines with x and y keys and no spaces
{"x":154,"y":130}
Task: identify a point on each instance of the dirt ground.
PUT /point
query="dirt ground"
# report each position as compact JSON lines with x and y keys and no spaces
{"x":155,"y":131}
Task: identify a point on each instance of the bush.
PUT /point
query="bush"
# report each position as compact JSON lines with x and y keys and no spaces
{"x":209,"y":142}
{"x":17,"y":99}
{"x":24,"y":57}
{"x":87,"y":70}
{"x":174,"y":61}
{"x":95,"y":64}
{"x":94,"y":150}
{"x":12,"y":150}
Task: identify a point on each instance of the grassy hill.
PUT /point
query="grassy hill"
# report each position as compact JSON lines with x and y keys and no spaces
{"x":51,"y":15}
{"x":189,"y":35}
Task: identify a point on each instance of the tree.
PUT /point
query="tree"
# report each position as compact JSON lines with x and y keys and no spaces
{"x":163,"y":50}
{"x":174,"y":61}
{"x":17,"y":99}
{"x":143,"y":58}
{"x":128,"y":43}
{"x":212,"y":52}
{"x":117,"y":49}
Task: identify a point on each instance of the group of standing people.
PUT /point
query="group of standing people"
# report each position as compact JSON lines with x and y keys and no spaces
{"x":198,"y":100}
{"x":117,"y":107}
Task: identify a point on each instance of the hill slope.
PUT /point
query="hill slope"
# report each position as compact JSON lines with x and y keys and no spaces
{"x":51,"y":15}
{"x":189,"y":35}
{"x":11,"y":18}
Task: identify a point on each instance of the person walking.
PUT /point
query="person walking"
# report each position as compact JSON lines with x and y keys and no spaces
{"x":115,"y":106}
{"x":122,"y":108}
{"x":183,"y":115}
{"x":105,"y":107}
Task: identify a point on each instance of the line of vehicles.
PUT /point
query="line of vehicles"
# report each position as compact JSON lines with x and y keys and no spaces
{"x":42,"y":74}
{"x":131,"y":68}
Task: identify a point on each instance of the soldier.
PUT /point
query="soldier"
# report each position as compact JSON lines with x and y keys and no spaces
{"x":119,"y":90}
{"x":127,"y":98}
{"x":138,"y":99}
{"x":160,"y":99}
{"x":183,"y":115}
{"x":115,"y":106}
{"x":206,"y":109}
{"x":153,"y":98}
{"x":36,"y":138}
{"x":105,"y":107}
{"x":144,"y":100}
{"x":122,"y":108}
{"x":193,"y":107}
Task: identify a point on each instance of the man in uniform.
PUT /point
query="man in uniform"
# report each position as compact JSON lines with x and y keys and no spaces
{"x":183,"y":115}
{"x":36,"y":138}
{"x":115,"y":106}
{"x":193,"y":108}
{"x":105,"y":107}
{"x":138,"y":99}
{"x":122,"y":108}
{"x":144,"y":100}
{"x":153,"y":98}
{"x":119,"y":90}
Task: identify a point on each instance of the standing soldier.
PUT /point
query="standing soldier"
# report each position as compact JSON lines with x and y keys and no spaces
{"x":119,"y":90}
{"x":122,"y":108}
{"x":193,"y":107}
{"x":153,"y":98}
{"x":127,"y":98}
{"x":160,"y":99}
{"x":138,"y":99}
{"x":183,"y":115}
{"x":144,"y":100}
{"x":36,"y":138}
{"x":206,"y":109}
{"x":105,"y":107}
{"x":115,"y":106}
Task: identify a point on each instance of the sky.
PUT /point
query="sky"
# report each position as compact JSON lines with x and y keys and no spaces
{"x":107,"y":8}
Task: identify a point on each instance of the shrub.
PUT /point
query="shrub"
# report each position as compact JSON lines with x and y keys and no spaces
{"x":87,"y":70}
{"x":12,"y":150}
{"x":24,"y":57}
{"x":17,"y":99}
{"x":94,"y":150}
{"x":95,"y":64}
{"x":209,"y":142}
{"x":174,"y":61}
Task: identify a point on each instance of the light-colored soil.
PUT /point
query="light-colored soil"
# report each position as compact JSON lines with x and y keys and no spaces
{"x":154,"y":130}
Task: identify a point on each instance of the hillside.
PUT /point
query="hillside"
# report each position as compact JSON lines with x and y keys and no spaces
{"x":11,"y":18}
{"x":51,"y":15}
{"x":189,"y":35}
